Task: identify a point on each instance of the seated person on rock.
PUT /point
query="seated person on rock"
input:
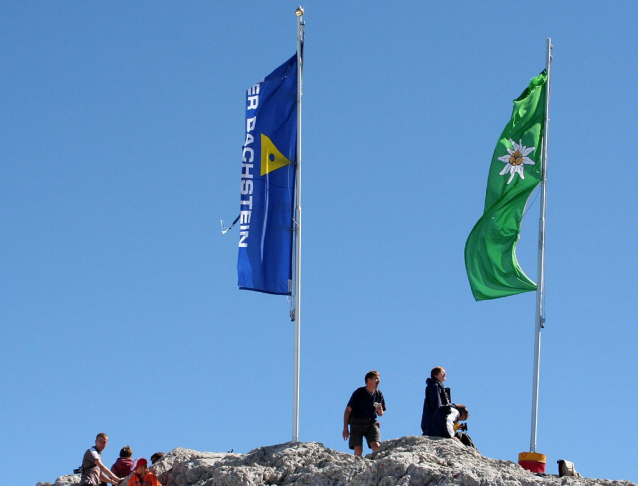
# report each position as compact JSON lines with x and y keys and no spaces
{"x":435,"y":396}
{"x":442,"y":422}
{"x":165,"y":476}
{"x":156,"y":457}
{"x":124,"y":463}
{"x":93,"y":471}
{"x":142,"y":476}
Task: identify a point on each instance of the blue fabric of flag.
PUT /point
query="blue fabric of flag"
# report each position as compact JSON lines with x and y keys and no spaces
{"x":267,"y":184}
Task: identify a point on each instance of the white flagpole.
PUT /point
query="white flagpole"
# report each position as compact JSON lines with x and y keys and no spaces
{"x":296,"y":313}
{"x":540,"y":290}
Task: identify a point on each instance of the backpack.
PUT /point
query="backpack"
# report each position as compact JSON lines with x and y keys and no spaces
{"x":566,"y":468}
{"x":466,"y":439}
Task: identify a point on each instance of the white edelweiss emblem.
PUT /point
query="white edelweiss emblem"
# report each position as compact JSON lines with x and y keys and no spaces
{"x":516,"y":160}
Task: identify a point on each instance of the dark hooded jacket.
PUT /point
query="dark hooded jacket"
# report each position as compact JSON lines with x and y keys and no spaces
{"x":435,"y":398}
{"x":438,"y":423}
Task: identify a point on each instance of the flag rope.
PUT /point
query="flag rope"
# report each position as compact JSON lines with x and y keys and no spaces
{"x":226,"y":230}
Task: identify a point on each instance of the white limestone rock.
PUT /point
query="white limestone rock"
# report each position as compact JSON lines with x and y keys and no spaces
{"x":412,"y":460}
{"x":68,"y":480}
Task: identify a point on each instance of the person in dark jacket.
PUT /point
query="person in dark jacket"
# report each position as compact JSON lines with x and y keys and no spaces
{"x":435,"y":396}
{"x":442,"y":422}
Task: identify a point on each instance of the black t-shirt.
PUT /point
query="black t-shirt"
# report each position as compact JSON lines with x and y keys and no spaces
{"x":362,"y":403}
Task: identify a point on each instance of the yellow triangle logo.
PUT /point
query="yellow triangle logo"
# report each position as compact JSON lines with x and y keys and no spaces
{"x":271,"y":157}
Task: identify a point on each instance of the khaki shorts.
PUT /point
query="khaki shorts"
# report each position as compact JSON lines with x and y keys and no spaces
{"x":360,"y":428}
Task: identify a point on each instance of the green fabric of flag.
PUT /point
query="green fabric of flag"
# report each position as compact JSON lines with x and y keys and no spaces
{"x":490,"y":250}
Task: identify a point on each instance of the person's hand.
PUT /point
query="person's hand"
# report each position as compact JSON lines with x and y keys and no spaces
{"x":379,"y":409}
{"x":346,"y":433}
{"x":458,"y":440}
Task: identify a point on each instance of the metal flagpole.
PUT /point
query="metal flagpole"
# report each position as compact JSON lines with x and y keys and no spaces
{"x":540,"y":290}
{"x":296,"y":313}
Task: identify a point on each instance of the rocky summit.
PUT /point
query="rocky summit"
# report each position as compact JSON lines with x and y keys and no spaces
{"x":410,"y":460}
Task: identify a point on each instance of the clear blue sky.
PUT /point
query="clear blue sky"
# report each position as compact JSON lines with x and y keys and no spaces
{"x":120,"y":145}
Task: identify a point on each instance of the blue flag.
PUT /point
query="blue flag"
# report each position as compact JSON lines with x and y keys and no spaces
{"x":268,"y":183}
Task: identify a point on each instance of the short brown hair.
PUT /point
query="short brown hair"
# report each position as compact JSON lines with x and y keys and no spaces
{"x":103,"y":435}
{"x":463,"y":410}
{"x":156,"y":457}
{"x":126,"y":451}
{"x":372,"y":374}
{"x":435,"y":371}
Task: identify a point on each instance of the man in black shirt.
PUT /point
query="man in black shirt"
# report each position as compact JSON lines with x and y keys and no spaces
{"x":361,"y":414}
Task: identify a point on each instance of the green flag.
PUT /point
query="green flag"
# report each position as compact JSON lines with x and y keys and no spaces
{"x":490,"y":250}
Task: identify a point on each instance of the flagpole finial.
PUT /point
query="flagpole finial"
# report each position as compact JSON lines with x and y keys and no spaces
{"x":299,"y":12}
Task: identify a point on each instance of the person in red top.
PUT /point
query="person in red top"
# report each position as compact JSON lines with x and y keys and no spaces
{"x":142,"y":476}
{"x":124,"y":463}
